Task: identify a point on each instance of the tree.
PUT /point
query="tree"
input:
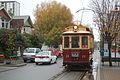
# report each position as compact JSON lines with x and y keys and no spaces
{"x":32,"y":40}
{"x":10,"y":40}
{"x":107,"y":21}
{"x":54,"y":37}
{"x":7,"y":41}
{"x":49,"y":17}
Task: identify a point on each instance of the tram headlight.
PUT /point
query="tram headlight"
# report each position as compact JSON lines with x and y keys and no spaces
{"x":75,"y":28}
{"x":90,"y":52}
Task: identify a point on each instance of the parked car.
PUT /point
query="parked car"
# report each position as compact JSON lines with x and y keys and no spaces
{"x":29,"y":54}
{"x":45,"y":57}
{"x":54,"y":51}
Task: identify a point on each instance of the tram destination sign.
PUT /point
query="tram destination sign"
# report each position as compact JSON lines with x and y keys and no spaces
{"x":75,"y":54}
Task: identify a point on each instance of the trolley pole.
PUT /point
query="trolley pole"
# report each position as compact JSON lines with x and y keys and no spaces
{"x":83,"y":12}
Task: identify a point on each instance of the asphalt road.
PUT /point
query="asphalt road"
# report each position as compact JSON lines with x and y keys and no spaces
{"x":33,"y":72}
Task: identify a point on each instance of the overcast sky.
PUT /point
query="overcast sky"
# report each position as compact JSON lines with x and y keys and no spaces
{"x":27,"y":8}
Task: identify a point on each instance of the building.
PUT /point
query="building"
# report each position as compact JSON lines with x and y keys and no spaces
{"x":23,"y":23}
{"x":17,"y":24}
{"x":10,"y":17}
{"x":4,"y":18}
{"x":12,"y":7}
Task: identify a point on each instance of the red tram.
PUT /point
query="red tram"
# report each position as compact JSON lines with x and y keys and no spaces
{"x":77,"y":46}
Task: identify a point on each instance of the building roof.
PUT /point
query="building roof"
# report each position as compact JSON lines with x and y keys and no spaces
{"x":27,"y":20}
{"x":9,"y":1}
{"x":5,"y":12}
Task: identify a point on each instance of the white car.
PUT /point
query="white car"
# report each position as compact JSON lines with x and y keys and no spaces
{"x":45,"y":57}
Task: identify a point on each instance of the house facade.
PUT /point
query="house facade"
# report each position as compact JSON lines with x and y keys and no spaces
{"x":10,"y":17}
{"x":4,"y":18}
{"x":23,"y":23}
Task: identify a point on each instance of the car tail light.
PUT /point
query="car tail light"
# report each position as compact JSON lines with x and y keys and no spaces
{"x":33,"y":55}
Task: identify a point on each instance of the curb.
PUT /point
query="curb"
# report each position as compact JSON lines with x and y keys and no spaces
{"x":98,"y":73}
{"x":14,"y":65}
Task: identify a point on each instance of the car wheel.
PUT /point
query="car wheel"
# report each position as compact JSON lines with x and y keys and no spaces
{"x":36,"y":63}
{"x":55,"y":61}
{"x":50,"y":62}
{"x":25,"y":60}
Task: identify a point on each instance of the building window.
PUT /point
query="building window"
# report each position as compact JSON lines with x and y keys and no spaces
{"x":24,"y":29}
{"x":3,"y":23}
{"x":6,"y":24}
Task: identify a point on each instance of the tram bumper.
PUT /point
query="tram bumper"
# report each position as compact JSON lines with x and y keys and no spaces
{"x":76,"y":63}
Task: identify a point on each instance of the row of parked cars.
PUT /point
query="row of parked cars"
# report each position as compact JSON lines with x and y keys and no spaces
{"x":38,"y":56}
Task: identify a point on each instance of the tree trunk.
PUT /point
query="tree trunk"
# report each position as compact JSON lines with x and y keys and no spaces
{"x":109,"y":48}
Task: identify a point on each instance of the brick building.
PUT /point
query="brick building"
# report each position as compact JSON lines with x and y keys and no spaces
{"x":23,"y":23}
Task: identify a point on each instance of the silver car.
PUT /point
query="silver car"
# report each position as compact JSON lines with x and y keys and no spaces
{"x":29,"y":54}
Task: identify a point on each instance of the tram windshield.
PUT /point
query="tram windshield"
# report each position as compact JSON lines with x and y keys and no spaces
{"x":66,"y":42}
{"x":84,"y":42}
{"x":75,"y":42}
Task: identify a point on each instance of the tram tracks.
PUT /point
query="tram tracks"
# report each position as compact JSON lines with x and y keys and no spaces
{"x":69,"y":75}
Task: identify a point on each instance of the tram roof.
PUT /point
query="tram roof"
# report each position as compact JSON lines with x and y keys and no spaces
{"x":79,"y":30}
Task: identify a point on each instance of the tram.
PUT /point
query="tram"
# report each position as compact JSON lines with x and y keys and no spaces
{"x":77,"y":43}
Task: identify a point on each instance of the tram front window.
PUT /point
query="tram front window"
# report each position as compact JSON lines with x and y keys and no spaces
{"x":66,"y":42}
{"x":84,"y":42}
{"x":75,"y":42}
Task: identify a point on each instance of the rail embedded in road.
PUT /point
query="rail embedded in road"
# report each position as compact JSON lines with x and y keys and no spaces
{"x":72,"y":75}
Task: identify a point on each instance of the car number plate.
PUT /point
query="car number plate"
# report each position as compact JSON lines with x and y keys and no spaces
{"x":75,"y":55}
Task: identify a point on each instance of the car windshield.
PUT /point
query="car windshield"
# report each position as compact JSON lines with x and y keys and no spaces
{"x":29,"y":50}
{"x":43,"y":53}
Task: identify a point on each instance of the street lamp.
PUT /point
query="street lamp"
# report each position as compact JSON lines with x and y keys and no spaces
{"x":116,"y":10}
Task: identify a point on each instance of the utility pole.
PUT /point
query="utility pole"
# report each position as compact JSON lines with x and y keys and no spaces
{"x":116,"y":10}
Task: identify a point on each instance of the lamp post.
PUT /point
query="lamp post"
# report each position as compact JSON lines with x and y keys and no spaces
{"x":116,"y":10}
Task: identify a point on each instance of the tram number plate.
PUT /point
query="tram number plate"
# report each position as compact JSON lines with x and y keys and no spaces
{"x":75,"y":55}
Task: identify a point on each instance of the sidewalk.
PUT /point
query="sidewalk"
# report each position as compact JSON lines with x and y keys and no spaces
{"x":13,"y":63}
{"x":108,"y":73}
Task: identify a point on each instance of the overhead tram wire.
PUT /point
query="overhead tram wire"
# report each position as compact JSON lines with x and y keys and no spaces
{"x":82,"y":12}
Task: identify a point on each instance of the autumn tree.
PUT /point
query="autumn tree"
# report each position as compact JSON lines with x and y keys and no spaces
{"x":107,"y":20}
{"x":50,"y":19}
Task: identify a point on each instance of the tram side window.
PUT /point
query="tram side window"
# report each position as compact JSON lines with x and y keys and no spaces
{"x":84,"y":42}
{"x":66,"y":42}
{"x":75,"y":42}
